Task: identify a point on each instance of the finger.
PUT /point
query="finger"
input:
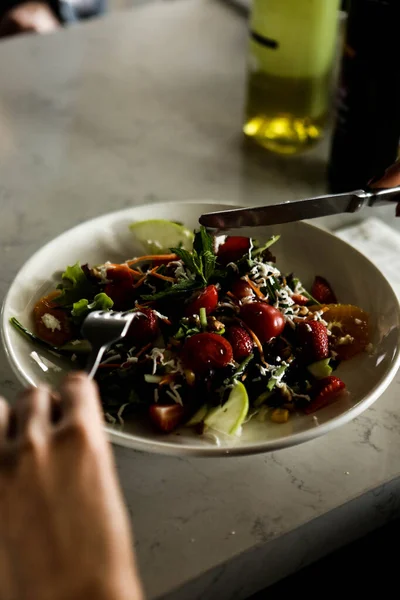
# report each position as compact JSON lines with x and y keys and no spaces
{"x":389,"y":179}
{"x":56,"y":411}
{"x":8,"y":456}
{"x":80,"y":398}
{"x":4,"y":419}
{"x":33,"y":412}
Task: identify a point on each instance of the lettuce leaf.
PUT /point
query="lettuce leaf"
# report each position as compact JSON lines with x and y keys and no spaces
{"x":75,"y":285}
{"x":82,"y":308}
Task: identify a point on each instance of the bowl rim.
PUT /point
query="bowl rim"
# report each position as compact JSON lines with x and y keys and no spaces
{"x":140,"y":444}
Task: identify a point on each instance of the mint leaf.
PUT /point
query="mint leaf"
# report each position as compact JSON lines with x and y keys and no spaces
{"x":201,"y":261}
{"x":203,"y":241}
{"x":82,"y":308}
{"x":268,"y":244}
{"x":75,"y":285}
{"x":203,"y":249}
{"x":209,"y":260}
{"x":191,"y":260}
{"x":176,"y":289}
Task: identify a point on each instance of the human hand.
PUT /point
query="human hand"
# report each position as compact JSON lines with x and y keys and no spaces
{"x":29,"y":17}
{"x":64,"y":531}
{"x":390,"y":179}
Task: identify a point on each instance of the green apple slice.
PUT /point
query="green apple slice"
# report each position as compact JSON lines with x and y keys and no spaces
{"x":230,"y":417}
{"x":157,"y":236}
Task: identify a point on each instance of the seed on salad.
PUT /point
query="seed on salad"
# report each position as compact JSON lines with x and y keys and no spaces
{"x":190,"y":377}
{"x":214,"y":324}
{"x":280,"y":415}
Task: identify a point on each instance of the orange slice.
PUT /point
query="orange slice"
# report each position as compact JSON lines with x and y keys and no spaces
{"x":349,"y":327}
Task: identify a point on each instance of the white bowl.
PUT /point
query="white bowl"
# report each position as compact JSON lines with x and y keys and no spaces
{"x":304,"y":249}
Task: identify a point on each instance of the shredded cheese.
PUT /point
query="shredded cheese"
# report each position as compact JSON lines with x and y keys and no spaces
{"x":51,"y":322}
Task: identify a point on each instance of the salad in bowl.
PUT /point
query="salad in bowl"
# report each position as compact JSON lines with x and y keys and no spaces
{"x":221,"y":335}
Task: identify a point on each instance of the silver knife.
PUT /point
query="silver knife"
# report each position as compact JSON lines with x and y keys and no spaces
{"x":384,"y":191}
{"x":309,"y":208}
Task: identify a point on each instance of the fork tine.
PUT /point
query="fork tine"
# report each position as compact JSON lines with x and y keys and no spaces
{"x":102,"y":329}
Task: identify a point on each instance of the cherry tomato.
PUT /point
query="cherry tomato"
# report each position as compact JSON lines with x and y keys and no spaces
{"x":205,"y":351}
{"x":62,"y":331}
{"x":120,"y":289}
{"x":144,"y":327}
{"x":266,"y":321}
{"x":233,"y":249}
{"x":241,"y":342}
{"x":241,"y":289}
{"x":166,"y":417}
{"x":207,"y":299}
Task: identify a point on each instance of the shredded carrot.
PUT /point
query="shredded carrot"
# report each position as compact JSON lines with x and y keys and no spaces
{"x":231,"y":295}
{"x":255,"y":289}
{"x":159,"y":276}
{"x":152,"y":257}
{"x":166,"y":380}
{"x":144,"y":305}
{"x":140,"y":281}
{"x":144,"y":349}
{"x":116,"y":266}
{"x":144,"y":277}
{"x":166,"y":321}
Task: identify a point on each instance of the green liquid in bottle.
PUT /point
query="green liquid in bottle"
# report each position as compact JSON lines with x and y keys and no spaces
{"x":292,"y":48}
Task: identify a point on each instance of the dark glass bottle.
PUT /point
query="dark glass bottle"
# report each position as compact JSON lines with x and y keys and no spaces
{"x":367,"y":130}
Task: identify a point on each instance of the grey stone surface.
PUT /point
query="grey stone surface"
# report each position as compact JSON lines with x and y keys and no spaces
{"x":146,"y":106}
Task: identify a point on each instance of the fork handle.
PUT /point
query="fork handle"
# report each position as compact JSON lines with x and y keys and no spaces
{"x":94,"y":360}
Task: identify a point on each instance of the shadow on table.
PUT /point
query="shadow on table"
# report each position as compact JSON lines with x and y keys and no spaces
{"x":283,"y":177}
{"x":363,"y":568}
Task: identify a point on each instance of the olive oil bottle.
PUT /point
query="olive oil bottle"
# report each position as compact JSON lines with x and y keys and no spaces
{"x":292,"y":49}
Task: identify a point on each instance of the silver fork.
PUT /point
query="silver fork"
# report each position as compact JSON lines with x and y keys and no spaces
{"x":102,"y":329}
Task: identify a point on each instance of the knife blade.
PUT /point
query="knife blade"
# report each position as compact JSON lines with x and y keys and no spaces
{"x":286,"y":212}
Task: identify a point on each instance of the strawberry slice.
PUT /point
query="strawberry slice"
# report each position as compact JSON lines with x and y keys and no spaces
{"x":325,"y":392}
{"x":205,"y":351}
{"x":322,"y":291}
{"x":144,"y":328}
{"x":233,"y":249}
{"x":313,"y":337}
{"x":241,"y":342}
{"x":166,"y":417}
{"x":120,"y":287}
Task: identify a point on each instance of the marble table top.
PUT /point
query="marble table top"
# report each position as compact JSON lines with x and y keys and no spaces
{"x":146,"y":106}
